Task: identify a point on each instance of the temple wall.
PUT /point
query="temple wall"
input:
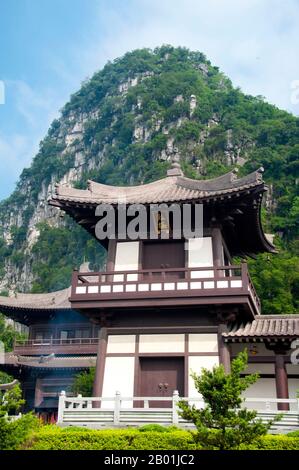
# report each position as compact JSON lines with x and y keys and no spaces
{"x":122,"y":361}
{"x":121,"y":344}
{"x":118,"y":377}
{"x":126,"y":257}
{"x":263,"y":388}
{"x":200,"y":255}
{"x":203,"y":342}
{"x":195,"y":365}
{"x":162,"y":343}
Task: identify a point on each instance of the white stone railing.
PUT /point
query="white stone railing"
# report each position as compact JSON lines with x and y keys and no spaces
{"x":85,"y":409}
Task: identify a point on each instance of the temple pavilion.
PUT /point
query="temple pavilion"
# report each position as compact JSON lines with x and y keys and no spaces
{"x":161,"y":307}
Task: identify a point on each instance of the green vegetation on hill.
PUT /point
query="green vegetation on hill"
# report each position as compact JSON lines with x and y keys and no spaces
{"x":125,"y":134}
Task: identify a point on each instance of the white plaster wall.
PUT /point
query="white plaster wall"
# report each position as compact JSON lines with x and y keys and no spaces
{"x":203,"y":342}
{"x":293,"y":369}
{"x":293,"y":388}
{"x":196,"y":363}
{"x":263,"y":388}
{"x":126,"y":259}
{"x":118,"y":376}
{"x":200,"y":255}
{"x":266,"y":388}
{"x":162,"y":343}
{"x":121,"y":344}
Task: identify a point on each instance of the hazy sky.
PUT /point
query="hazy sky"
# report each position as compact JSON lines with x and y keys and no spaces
{"x":48,"y":47}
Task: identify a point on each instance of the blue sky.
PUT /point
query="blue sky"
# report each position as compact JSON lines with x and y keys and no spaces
{"x":48,"y":47}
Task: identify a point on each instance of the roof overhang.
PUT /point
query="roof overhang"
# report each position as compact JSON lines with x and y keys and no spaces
{"x":234,"y":202}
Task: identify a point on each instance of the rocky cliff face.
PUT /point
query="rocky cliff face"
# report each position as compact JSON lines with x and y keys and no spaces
{"x":123,"y":127}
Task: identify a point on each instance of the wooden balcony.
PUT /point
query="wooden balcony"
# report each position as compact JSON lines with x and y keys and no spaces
{"x":229,"y":285}
{"x":56,"y":346}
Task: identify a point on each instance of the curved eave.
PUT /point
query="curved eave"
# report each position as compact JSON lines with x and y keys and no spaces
{"x":247,"y":238}
{"x":265,"y":328}
{"x":27,"y":316}
{"x":169,"y":189}
{"x":25,"y":307}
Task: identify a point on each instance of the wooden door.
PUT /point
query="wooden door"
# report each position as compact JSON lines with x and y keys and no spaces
{"x":159,"y":377}
{"x":163,"y":255}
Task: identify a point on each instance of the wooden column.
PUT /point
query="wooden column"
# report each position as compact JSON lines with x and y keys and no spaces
{"x":111,"y":255}
{"x":224,"y":352}
{"x":38,"y":398}
{"x":100,"y":365}
{"x":217,"y":248}
{"x":281,"y":380}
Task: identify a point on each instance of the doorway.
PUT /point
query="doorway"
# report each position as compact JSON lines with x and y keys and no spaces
{"x":164,"y":255}
{"x":159,"y":377}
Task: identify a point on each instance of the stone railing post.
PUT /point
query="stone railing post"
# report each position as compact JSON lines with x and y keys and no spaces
{"x":117,"y":405}
{"x":80,"y":404}
{"x":175,"y":415}
{"x":61,"y":407}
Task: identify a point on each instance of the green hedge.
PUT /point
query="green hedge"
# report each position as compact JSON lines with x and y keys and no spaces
{"x":145,"y":438}
{"x":130,"y":439}
{"x":13,"y":434}
{"x":279,"y":442}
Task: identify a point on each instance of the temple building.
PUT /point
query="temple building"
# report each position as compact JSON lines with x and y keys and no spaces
{"x":164,"y":306}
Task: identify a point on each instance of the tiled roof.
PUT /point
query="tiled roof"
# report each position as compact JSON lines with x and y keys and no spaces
{"x":57,"y":362}
{"x":53,"y":301}
{"x":270,"y":326}
{"x":169,"y":189}
{"x":238,"y":200}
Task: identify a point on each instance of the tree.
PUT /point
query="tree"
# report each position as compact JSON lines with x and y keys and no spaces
{"x":13,"y":432}
{"x":8,"y":334}
{"x":11,"y":398}
{"x":222,"y":423}
{"x":83,"y":382}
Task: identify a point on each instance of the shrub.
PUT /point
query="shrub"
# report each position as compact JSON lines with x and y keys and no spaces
{"x":13,"y":434}
{"x":222,"y":423}
{"x":129,"y":439}
{"x":54,"y":438}
{"x":157,"y":428}
{"x":279,"y":442}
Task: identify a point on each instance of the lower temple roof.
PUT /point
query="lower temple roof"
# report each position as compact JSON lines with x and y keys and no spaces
{"x":27,"y":308}
{"x":57,"y":362}
{"x":265,"y":326}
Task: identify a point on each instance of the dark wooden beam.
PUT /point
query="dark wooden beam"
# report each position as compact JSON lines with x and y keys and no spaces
{"x":100,"y":365}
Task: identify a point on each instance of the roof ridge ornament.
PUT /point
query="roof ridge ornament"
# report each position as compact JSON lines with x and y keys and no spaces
{"x":175,"y":169}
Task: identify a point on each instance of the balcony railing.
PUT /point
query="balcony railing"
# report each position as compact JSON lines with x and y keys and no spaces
{"x":164,"y":283}
{"x":58,"y":346}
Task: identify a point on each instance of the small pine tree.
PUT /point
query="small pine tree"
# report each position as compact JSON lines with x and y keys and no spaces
{"x":222,"y":424}
{"x":83,"y":383}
